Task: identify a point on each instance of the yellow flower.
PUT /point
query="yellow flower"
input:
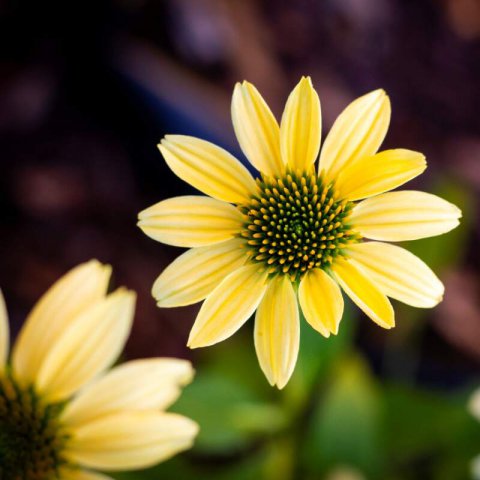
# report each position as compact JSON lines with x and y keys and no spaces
{"x":296,"y":233}
{"x":62,"y":416}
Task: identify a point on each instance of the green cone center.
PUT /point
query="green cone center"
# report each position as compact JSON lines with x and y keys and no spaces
{"x":295,"y":223}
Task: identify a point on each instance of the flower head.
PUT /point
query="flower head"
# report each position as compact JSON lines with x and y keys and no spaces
{"x":291,"y":237}
{"x":62,"y":415}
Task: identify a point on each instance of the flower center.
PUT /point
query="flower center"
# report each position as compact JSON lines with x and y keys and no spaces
{"x":296,"y":222}
{"x":30,"y":439}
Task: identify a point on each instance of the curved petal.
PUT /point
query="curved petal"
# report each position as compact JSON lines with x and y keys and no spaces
{"x":130,"y":440}
{"x":398,"y":273}
{"x":358,"y":132}
{"x":256,"y":129}
{"x":301,"y":127}
{"x":404,"y":215}
{"x":321,"y":301}
{"x":363,"y":292}
{"x":190,"y":221}
{"x":75,"y":292}
{"x":77,"y":474}
{"x":378,"y":174}
{"x":89,"y":345}
{"x":277,"y":332}
{"x":4,"y":333}
{"x":207,"y":167}
{"x":229,"y":306}
{"x":196,"y":273}
{"x":149,"y":384}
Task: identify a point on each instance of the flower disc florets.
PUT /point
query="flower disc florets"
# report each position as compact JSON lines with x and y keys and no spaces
{"x":296,"y":222}
{"x":30,"y":437}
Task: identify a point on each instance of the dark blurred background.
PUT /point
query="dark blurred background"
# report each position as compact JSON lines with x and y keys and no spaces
{"x":87,"y":89}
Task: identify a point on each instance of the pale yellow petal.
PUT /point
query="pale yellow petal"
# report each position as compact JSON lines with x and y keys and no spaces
{"x":130,"y":440}
{"x":196,"y":273}
{"x":358,"y":132}
{"x":207,"y":167}
{"x":88,"y":346}
{"x":191,"y":221}
{"x":256,"y":129}
{"x":301,"y":126}
{"x":398,"y":273}
{"x":66,"y":299}
{"x":474,"y":404}
{"x":77,"y":474}
{"x":149,"y":384}
{"x":379,"y":173}
{"x":321,"y":301}
{"x":229,"y":306}
{"x":404,"y":215}
{"x":277,"y":331}
{"x":364,"y":292}
{"x":4,"y":333}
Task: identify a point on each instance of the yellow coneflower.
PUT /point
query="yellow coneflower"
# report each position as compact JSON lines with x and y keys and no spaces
{"x":296,"y":233}
{"x":62,"y":415}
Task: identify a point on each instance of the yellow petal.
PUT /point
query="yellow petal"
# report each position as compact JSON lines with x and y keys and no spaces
{"x":191,"y":221}
{"x":128,"y":441}
{"x":358,"y":132}
{"x":277,"y":332}
{"x":301,"y":126}
{"x":229,"y":306}
{"x":321,"y":301}
{"x":363,"y":292}
{"x":4,"y":333}
{"x":398,"y":273}
{"x":52,"y":315}
{"x":90,"y":344}
{"x":76,"y":474}
{"x":196,"y":273}
{"x":379,"y":173}
{"x":256,"y":129}
{"x":404,"y":215}
{"x":207,"y":167}
{"x":149,"y":384}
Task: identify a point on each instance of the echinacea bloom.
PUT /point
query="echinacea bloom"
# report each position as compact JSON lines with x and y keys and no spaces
{"x":62,"y":415}
{"x":296,"y":234}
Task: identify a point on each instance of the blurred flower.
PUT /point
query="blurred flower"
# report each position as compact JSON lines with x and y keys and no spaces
{"x":295,"y":235}
{"x":474,"y":407}
{"x":61,"y":414}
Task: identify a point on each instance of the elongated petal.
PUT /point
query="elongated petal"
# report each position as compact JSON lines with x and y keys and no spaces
{"x":190,"y":221}
{"x":52,"y":315}
{"x":150,"y":384}
{"x":4,"y":333}
{"x":90,"y":344}
{"x":207,"y":167}
{"x":196,"y":273}
{"x":301,"y":126}
{"x":380,"y":173}
{"x":277,"y":332}
{"x":363,"y":292}
{"x":77,"y":474}
{"x":358,"y":132}
{"x":404,"y":215}
{"x":256,"y":129}
{"x":228,"y":307}
{"x":130,"y":440}
{"x":398,"y":273}
{"x":321,"y":301}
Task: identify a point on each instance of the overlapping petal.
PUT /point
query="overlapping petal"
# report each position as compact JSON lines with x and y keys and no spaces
{"x":196,"y":273}
{"x":399,"y":273}
{"x":4,"y":333}
{"x":321,"y":301}
{"x":404,"y":215}
{"x":229,"y":306}
{"x":191,"y":221}
{"x":77,"y":474}
{"x":277,"y":332}
{"x":301,"y":127}
{"x":256,"y":129}
{"x":207,"y":167}
{"x":379,"y":173}
{"x":364,"y":292}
